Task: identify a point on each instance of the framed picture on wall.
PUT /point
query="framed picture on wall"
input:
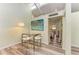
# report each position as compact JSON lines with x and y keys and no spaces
{"x":37,"y":25}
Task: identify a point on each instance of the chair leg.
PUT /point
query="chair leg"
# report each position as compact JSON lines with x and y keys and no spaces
{"x":40,"y":43}
{"x":22,"y":42}
{"x":37,"y":43}
{"x":34,"y":44}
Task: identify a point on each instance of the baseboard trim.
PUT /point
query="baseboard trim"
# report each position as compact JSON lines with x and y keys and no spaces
{"x":75,"y":46}
{"x":9,"y":45}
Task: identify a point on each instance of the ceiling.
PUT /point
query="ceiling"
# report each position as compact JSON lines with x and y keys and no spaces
{"x":51,"y":7}
{"x":75,"y":7}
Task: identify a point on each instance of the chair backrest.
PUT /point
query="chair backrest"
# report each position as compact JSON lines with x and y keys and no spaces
{"x":26,"y":36}
{"x":37,"y":36}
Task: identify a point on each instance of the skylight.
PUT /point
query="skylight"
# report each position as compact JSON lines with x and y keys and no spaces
{"x":40,"y":4}
{"x":33,"y":7}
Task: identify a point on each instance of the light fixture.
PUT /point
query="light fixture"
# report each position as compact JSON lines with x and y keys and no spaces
{"x":21,"y":24}
{"x":53,"y":27}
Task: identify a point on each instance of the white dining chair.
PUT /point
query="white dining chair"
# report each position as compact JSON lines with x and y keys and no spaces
{"x":38,"y":39}
{"x":26,"y":38}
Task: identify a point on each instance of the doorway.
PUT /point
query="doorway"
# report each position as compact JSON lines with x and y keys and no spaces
{"x":55,"y":31}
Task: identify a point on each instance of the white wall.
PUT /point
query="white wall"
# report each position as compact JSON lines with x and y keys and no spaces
{"x":75,"y":29}
{"x":45,"y":32}
{"x":10,"y":15}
